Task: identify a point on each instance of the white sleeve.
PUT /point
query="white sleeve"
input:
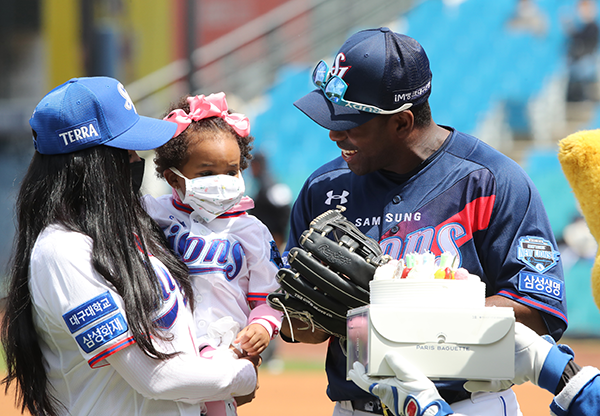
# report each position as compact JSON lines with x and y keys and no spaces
{"x":185,"y":377}
{"x":263,"y":258}
{"x":72,"y":299}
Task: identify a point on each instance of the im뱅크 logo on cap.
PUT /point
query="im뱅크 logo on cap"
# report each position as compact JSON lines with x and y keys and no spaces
{"x":412,"y":95}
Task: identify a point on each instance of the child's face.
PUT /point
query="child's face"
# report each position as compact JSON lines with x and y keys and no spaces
{"x":216,"y":155}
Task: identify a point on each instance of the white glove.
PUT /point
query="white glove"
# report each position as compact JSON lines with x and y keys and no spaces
{"x":410,"y":392}
{"x":531,"y":351}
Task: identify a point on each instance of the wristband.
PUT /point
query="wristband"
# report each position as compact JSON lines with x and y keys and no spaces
{"x":554,"y":365}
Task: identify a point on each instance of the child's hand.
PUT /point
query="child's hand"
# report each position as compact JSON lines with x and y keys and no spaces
{"x":253,"y":339}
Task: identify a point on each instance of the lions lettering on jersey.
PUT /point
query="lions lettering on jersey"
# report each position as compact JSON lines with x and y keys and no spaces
{"x":447,"y":236}
{"x":219,"y":255}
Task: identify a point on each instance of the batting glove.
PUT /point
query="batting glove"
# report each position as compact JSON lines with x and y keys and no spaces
{"x":410,"y":393}
{"x":537,"y":359}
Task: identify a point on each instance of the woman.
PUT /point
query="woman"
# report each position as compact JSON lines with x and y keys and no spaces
{"x":90,"y":276}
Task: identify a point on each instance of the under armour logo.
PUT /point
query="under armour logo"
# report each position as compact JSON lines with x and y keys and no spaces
{"x":337,"y":69}
{"x":342,"y":197}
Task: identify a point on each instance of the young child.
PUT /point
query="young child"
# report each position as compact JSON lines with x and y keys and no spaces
{"x":231,"y":255}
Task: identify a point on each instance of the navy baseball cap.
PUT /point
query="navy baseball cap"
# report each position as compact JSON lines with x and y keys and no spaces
{"x":86,"y":112}
{"x":382,"y":68}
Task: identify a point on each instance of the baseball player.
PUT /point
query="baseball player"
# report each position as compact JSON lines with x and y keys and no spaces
{"x":415,"y":186}
{"x":98,"y":318}
{"x":231,"y":256}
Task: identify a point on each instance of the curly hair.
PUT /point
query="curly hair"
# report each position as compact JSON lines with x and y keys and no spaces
{"x":175,"y":153}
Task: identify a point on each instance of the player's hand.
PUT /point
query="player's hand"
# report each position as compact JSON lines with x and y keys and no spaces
{"x":256,"y":360}
{"x":410,"y":392}
{"x":302,"y":333}
{"x":531,"y":351}
{"x":240,"y":400}
{"x":253,"y":339}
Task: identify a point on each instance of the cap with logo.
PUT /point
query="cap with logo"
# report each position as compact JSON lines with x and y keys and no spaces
{"x":382,"y":69}
{"x":86,"y":112}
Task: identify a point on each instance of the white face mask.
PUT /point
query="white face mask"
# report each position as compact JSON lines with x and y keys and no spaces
{"x":211,"y":196}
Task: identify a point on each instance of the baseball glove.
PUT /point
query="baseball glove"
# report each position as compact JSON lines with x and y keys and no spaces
{"x":326,"y":278}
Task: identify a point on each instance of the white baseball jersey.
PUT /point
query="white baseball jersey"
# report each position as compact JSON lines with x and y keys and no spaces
{"x":233,"y":262}
{"x":80,"y":322}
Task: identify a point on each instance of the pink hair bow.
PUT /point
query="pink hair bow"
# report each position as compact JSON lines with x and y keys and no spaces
{"x":201,"y":107}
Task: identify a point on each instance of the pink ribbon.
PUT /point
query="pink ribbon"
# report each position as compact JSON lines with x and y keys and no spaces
{"x":201,"y":107}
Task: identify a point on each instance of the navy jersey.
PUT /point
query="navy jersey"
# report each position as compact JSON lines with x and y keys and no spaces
{"x":467,"y":199}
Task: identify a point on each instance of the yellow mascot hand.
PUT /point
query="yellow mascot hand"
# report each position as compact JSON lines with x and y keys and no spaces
{"x":579,"y":156}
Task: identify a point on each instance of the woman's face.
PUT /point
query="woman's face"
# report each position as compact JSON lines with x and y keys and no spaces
{"x":133,"y":156}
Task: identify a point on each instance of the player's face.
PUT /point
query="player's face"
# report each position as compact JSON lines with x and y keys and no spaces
{"x":214,"y":155}
{"x":368,"y":147}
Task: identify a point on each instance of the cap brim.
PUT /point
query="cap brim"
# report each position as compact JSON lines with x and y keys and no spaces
{"x":146,"y":134}
{"x":331,"y":116}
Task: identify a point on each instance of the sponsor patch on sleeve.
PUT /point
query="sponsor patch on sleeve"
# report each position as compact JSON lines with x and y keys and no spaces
{"x":89,"y":312}
{"x":101,"y":333}
{"x":541,"y":284}
{"x":537,"y":253}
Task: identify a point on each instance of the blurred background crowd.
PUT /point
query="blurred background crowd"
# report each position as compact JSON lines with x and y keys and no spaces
{"x":518,"y":74}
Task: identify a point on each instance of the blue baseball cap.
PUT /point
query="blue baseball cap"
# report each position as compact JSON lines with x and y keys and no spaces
{"x":86,"y":112}
{"x":382,"y":68}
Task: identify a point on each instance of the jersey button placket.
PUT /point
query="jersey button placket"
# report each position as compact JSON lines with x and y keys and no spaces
{"x":396,"y":200}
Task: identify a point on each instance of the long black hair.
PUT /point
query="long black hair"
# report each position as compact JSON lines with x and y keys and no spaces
{"x":90,"y":192}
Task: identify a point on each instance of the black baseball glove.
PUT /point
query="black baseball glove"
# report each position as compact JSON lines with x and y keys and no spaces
{"x":327,"y":277}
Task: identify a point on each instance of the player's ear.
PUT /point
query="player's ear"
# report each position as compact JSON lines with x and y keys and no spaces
{"x":171,"y":178}
{"x":403,"y":122}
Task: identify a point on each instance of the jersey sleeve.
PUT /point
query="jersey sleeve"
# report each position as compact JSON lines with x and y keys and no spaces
{"x":71,"y":298}
{"x":264,"y":260}
{"x":520,"y":255}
